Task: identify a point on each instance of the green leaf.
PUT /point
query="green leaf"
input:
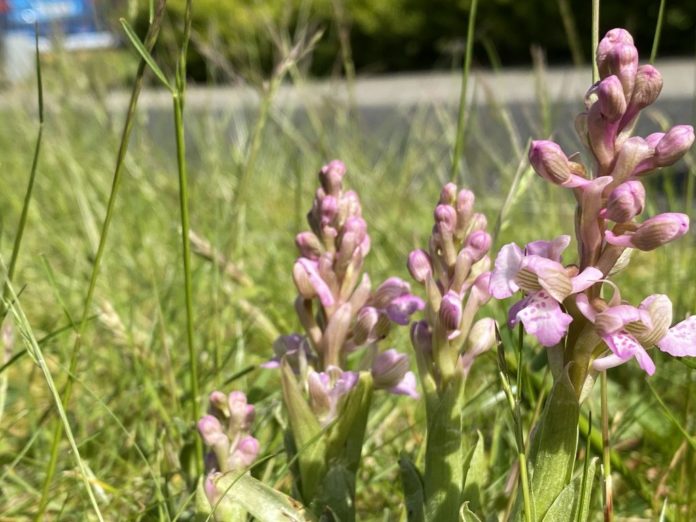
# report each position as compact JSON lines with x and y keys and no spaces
{"x":414,"y":496}
{"x":307,"y":434}
{"x":445,"y":454}
{"x":466,"y":515}
{"x":261,"y":501}
{"x":346,"y":435}
{"x":344,"y":442}
{"x":145,"y":54}
{"x":569,"y":505}
{"x":476,"y":473}
{"x":552,"y":454}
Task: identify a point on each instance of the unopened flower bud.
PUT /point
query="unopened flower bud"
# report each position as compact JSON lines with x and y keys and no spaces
{"x":308,"y":245}
{"x":611,"y":98}
{"x":422,"y":338}
{"x":481,"y":288}
{"x":622,"y":61}
{"x":331,"y":176}
{"x":364,"y":329}
{"x":481,"y":338}
{"x":465,"y":204}
{"x":389,"y":368}
{"x":309,"y":283}
{"x":653,"y":232}
{"x":419,"y":265}
{"x":350,"y":204}
{"x":403,"y":307}
{"x":625,"y":202}
{"x":446,"y":218}
{"x":632,"y":154}
{"x":390,"y":290}
{"x":478,"y":244}
{"x":613,"y":38}
{"x":674,"y":144}
{"x":448,"y":194}
{"x":241,"y":413}
{"x":328,"y":208}
{"x":218,"y":404}
{"x":450,"y":314}
{"x":478,"y":222}
{"x":550,"y":162}
{"x":244,"y":454}
{"x":211,"y":431}
{"x":647,"y":88}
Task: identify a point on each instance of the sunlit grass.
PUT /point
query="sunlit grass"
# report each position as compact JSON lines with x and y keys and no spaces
{"x":130,"y":401}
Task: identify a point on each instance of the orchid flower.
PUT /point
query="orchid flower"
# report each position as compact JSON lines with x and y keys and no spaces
{"x":538,"y":272}
{"x":629,"y":331}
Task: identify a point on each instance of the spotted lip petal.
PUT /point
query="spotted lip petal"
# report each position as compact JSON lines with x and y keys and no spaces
{"x":543,"y":318}
{"x":680,"y":340}
{"x":625,"y":346}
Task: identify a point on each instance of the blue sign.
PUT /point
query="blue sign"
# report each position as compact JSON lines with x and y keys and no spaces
{"x":68,"y":16}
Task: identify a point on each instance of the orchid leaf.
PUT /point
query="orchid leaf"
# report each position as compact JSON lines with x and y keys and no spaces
{"x":414,"y":496}
{"x":261,"y":501}
{"x":466,"y":515}
{"x":552,"y":454}
{"x":476,"y":473}
{"x":346,"y":435}
{"x":569,"y":505}
{"x":307,"y":433}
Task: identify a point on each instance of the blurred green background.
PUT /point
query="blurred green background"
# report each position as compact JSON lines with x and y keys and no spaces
{"x":408,"y":35}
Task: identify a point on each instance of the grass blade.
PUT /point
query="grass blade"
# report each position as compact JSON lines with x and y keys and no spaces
{"x":35,"y":351}
{"x":145,"y":54}
{"x":461,"y":119}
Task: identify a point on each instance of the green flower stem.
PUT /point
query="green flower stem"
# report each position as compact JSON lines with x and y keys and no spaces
{"x":445,"y":452}
{"x":606,"y":453}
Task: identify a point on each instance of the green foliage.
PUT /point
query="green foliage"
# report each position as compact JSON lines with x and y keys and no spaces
{"x":397,"y":35}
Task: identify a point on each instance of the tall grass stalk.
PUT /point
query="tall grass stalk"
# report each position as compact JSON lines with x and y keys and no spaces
{"x":658,"y":31}
{"x":606,"y":452}
{"x":595,"y":39}
{"x":178,"y":97}
{"x":461,"y":118}
{"x":150,"y":39}
{"x":32,"y":175}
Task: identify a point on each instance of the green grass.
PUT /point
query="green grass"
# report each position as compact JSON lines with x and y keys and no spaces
{"x":130,"y":408}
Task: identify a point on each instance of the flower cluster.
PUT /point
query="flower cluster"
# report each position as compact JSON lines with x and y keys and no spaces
{"x":337,"y":306}
{"x":226,"y":431}
{"x":455,"y":273}
{"x":609,"y":199}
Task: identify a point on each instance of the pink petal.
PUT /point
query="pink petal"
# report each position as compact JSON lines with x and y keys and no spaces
{"x":620,"y":241}
{"x":542,"y":317}
{"x":507,"y":264}
{"x":586,"y":279}
{"x":548,"y":249}
{"x":585,"y":307}
{"x":625,"y":346}
{"x":407,"y":386}
{"x":514,"y":310}
{"x":612,"y":320}
{"x":680,"y":340}
{"x":575,"y":181}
